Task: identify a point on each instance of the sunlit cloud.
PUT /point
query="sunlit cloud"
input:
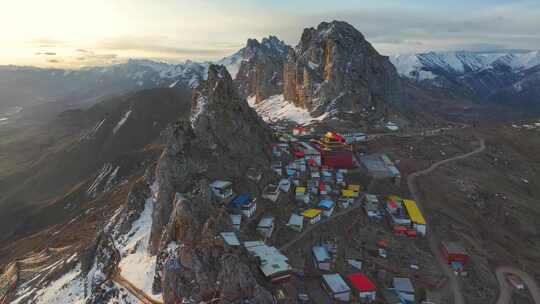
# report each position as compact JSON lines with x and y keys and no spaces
{"x":101,"y":32}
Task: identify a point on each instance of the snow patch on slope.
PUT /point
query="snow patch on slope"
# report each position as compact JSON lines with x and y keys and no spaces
{"x":137,"y":265}
{"x":122,"y":121}
{"x":412,"y":65}
{"x":276,"y":108}
{"x":232,"y":63}
{"x":67,"y":289}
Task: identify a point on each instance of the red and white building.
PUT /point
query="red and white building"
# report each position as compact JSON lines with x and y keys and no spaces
{"x":455,"y":254}
{"x":363,"y":287}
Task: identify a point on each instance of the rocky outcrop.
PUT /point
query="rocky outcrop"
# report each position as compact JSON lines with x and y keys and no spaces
{"x":99,"y":264}
{"x":334,"y":69}
{"x":202,"y":267}
{"x":260,"y":74}
{"x":224,"y":136}
{"x":136,"y":200}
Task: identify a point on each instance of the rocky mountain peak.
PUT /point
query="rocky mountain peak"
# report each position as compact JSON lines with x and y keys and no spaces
{"x":334,"y":69}
{"x":273,"y":43}
{"x":222,"y":127}
{"x":260,"y":72}
{"x":218,"y":84}
{"x":336,"y":30}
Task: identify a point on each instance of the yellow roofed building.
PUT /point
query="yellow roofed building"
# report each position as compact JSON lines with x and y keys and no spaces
{"x":349,"y":193}
{"x":418,"y":220}
{"x":312,"y":215}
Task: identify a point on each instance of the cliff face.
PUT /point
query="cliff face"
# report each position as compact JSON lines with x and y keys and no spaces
{"x":222,"y":130}
{"x":260,"y":74}
{"x":334,"y":69}
{"x":203,"y":267}
{"x":222,"y":139}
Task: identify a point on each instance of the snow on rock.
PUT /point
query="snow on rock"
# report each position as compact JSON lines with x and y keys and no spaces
{"x":121,"y":122}
{"x":67,"y":289}
{"x":136,"y":264}
{"x":412,"y":65}
{"x":102,"y":174}
{"x":200,"y":106}
{"x":172,"y":85}
{"x":232,"y":63}
{"x":92,"y":131}
{"x":276,"y":108}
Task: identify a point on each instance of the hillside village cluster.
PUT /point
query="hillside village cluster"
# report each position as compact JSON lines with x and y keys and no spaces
{"x":314,"y":172}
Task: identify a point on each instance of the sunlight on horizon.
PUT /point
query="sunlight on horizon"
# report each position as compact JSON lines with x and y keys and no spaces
{"x":78,"y":33}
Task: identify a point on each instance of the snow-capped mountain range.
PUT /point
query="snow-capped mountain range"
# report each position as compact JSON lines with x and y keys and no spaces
{"x":511,"y":78}
{"x":258,"y":71}
{"x":427,"y":65}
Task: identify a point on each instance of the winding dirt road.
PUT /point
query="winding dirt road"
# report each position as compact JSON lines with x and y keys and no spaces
{"x":432,"y":239}
{"x":505,"y":292}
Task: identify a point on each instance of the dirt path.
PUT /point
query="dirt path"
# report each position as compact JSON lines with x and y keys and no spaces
{"x":505,"y":291}
{"x":432,"y":238}
{"x":430,"y":132}
{"x":134,"y":290}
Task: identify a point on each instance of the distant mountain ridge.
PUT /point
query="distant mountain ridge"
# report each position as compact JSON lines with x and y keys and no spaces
{"x":461,"y":62}
{"x":258,"y":70}
{"x":509,"y":78}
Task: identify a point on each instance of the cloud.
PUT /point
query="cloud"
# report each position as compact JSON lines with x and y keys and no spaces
{"x":49,"y":54}
{"x":84,"y":51}
{"x":46,"y":43}
{"x":146,"y":46}
{"x":53,"y":61}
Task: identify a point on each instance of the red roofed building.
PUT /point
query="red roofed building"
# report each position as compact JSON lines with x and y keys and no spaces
{"x":455,"y":254}
{"x":335,"y":153}
{"x":365,"y":288}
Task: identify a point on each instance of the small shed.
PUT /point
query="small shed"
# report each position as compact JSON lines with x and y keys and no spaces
{"x":363,"y":286}
{"x":271,"y":192}
{"x":301,"y":194}
{"x":222,"y":190}
{"x":347,"y":193}
{"x":372,"y":210}
{"x":230,"y":238}
{"x":404,"y":289}
{"x":455,"y":254}
{"x":236,"y":220}
{"x":266,"y":226}
{"x":336,"y":287}
{"x":312,"y":215}
{"x":296,"y":222}
{"x":245,"y":203}
{"x":327,"y":206}
{"x":321,"y":258}
{"x":371,"y":198}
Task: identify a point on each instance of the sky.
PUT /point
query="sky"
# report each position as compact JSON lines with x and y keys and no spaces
{"x":78,"y":33}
